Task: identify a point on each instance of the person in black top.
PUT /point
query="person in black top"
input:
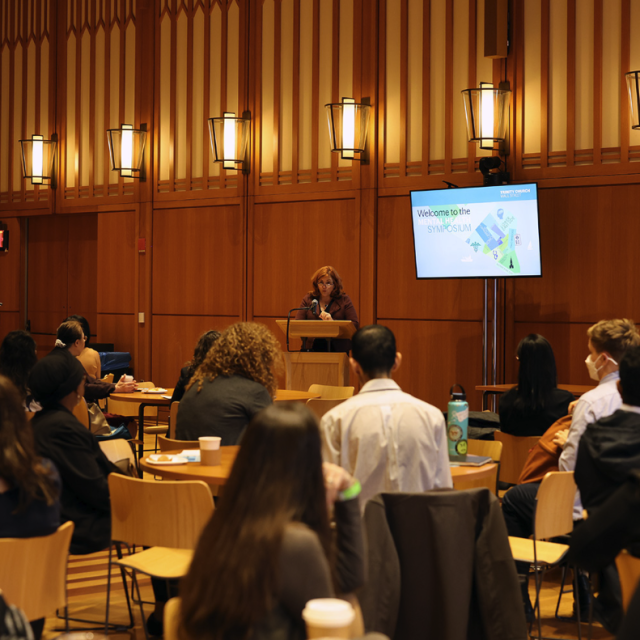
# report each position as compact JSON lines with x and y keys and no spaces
{"x":532,"y":406}
{"x":57,"y":383}
{"x":205,"y":342}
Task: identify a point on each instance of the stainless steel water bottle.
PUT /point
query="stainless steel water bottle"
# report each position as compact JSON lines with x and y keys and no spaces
{"x":457,"y":423}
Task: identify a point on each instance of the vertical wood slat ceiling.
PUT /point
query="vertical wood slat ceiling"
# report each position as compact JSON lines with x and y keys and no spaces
{"x":98,"y":93}
{"x":567,"y":71}
{"x":24,"y":76}
{"x":575,"y":118}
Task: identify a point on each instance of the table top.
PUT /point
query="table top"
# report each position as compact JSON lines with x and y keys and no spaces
{"x":146,"y":398}
{"x":217,"y":475}
{"x":576,"y":389}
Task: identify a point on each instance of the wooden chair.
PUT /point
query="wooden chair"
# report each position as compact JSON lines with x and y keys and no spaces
{"x":173,"y":418}
{"x":166,"y":516}
{"x":492,"y":449}
{"x":327,"y":392}
{"x":553,"y":517}
{"x":172,"y":619}
{"x":81,"y":412}
{"x":167,"y":444}
{"x":319,"y":406}
{"x":33,"y":572}
{"x":514,"y":454}
{"x":118,"y":450}
{"x":629,"y":572}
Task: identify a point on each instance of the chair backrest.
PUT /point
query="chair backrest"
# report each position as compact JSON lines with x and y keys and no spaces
{"x":629,"y":572}
{"x":168,"y":444}
{"x":108,"y":378}
{"x":319,"y":406}
{"x":172,"y":618}
{"x":131,"y":409}
{"x":327,"y":392}
{"x":117,"y":449}
{"x":514,"y":454}
{"x":33,"y":571}
{"x":81,"y":412}
{"x":173,"y":418}
{"x":158,"y":514}
{"x":554,"y":505}
{"x":490,"y":448}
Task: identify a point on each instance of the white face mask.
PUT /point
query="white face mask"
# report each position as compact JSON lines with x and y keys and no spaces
{"x":591,"y":365}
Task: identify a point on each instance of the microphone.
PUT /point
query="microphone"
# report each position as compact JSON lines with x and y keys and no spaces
{"x":314,"y":307}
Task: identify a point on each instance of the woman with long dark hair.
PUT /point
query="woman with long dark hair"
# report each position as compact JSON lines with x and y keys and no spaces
{"x":205,"y":342}
{"x":17,"y":358}
{"x":268,"y":548}
{"x":532,"y":406}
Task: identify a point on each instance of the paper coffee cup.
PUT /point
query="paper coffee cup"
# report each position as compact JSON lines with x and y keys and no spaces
{"x":328,"y":618}
{"x":210,"y":454}
{"x":127,"y":378}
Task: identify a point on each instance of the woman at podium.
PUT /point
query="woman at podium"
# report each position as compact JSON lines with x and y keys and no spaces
{"x":327,"y":301}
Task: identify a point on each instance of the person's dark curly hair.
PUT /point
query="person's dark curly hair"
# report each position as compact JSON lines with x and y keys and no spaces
{"x":17,"y":358}
{"x":205,"y":342}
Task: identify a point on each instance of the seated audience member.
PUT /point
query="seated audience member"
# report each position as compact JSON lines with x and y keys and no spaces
{"x":29,"y":485}
{"x":17,"y":358}
{"x":70,"y":337}
{"x":235,"y":381}
{"x":608,"y":342}
{"x":609,"y":451}
{"x":532,"y":406}
{"x":57,"y":383}
{"x":205,"y":342}
{"x":612,"y":525}
{"x":387,"y":439}
{"x":270,"y":531}
{"x":89,"y":358}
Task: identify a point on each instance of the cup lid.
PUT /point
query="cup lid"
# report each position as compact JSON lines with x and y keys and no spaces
{"x":328,"y":612}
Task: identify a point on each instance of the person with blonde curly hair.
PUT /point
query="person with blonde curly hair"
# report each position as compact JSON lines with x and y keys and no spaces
{"x":234,"y":382}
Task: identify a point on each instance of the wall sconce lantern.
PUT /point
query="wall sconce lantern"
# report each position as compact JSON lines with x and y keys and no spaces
{"x":633,"y":86}
{"x":348,"y":127}
{"x":126,"y":150}
{"x":487,"y":113}
{"x":37,"y":158}
{"x":229,"y":137}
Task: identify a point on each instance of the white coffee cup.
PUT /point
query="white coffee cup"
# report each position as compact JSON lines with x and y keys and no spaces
{"x":127,"y":378}
{"x":328,"y":618}
{"x":210,"y":454}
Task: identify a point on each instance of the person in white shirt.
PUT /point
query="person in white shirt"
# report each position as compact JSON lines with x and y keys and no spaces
{"x":607,"y":344}
{"x":385,"y":438}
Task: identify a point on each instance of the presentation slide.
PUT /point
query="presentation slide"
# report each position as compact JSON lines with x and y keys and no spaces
{"x":479,"y":232}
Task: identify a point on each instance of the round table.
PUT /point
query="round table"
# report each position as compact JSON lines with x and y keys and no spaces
{"x":218,"y":475}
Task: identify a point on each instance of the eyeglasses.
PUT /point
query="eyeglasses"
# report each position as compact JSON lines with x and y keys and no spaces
{"x":325,"y":284}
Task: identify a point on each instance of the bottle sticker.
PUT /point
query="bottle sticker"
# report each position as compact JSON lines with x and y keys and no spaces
{"x":461,"y":447}
{"x":455,"y":432}
{"x":460,"y":416}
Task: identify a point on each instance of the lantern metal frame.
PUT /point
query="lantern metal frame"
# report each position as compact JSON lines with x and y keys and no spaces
{"x":499,"y":98}
{"x":45,"y":163}
{"x":138,"y":143}
{"x":633,"y":88}
{"x":360,"y":128}
{"x":220,"y":131}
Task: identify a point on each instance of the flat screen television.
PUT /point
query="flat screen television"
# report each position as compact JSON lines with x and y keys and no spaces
{"x":477,"y":232}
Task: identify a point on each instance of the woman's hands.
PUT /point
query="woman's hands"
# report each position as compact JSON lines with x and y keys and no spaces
{"x":325,"y":316}
{"x":125,"y":387}
{"x":336,"y":479}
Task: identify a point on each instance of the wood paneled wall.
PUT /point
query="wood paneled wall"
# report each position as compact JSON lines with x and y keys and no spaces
{"x":219,"y":246}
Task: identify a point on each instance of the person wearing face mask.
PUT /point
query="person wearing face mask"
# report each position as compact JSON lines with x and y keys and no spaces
{"x":608,"y":341}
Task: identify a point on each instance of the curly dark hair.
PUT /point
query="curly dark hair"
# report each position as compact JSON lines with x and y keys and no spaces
{"x":334,"y":275}
{"x":246,"y":349}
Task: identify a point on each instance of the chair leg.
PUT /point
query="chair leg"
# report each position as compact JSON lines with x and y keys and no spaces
{"x":144,"y":621}
{"x":577,"y":599}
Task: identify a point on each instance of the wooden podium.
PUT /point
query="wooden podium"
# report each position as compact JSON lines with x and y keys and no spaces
{"x":304,"y":368}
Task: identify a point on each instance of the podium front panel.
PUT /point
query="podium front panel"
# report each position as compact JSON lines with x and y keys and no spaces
{"x":306,"y":368}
